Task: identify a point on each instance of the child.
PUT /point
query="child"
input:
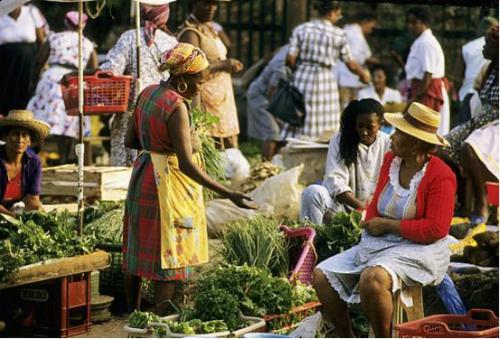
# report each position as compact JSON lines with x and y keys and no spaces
{"x":355,"y":156}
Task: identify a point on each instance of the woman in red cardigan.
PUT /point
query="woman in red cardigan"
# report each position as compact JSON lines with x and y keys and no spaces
{"x":406,"y":225}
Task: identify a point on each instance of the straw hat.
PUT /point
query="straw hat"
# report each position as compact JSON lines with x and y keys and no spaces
{"x":24,"y":119}
{"x":419,"y":121}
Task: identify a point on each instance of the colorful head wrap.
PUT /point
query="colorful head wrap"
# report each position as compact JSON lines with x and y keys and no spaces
{"x":184,"y":58}
{"x":153,"y":16}
{"x":71,"y":19}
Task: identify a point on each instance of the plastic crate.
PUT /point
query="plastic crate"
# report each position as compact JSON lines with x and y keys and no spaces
{"x":302,"y":254}
{"x":477,"y":323}
{"x":103,"y":93}
{"x":492,"y":190}
{"x":58,"y":307}
{"x":284,"y":323}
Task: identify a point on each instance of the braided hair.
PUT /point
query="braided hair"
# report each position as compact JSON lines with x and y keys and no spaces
{"x":349,"y":138}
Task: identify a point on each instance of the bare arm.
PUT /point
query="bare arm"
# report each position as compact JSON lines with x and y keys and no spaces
{"x":41,"y":58}
{"x":291,"y":61}
{"x":32,"y":202}
{"x":348,"y":198}
{"x":93,"y":62}
{"x":424,"y":85}
{"x":355,"y":68}
{"x":131,"y":139}
{"x":398,"y":59}
{"x":40,"y":36}
{"x":3,"y":210}
{"x":179,"y":130}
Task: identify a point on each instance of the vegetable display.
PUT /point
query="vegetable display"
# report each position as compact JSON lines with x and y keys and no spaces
{"x":108,"y":229}
{"x":338,"y":233}
{"x":232,"y":290}
{"x":259,"y":173}
{"x":484,"y":254}
{"x":35,"y":237}
{"x":256,"y":242}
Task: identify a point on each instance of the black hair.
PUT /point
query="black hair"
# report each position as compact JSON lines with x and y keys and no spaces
{"x":421,"y":13}
{"x":4,"y":132}
{"x":349,"y":138}
{"x":326,"y":6}
{"x":377,"y":67}
{"x":365,"y":16}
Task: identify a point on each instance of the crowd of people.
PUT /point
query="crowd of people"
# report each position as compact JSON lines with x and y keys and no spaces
{"x":401,"y":168}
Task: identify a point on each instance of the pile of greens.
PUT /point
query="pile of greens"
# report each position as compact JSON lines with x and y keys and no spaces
{"x":149,"y":321}
{"x":108,"y":228}
{"x":256,"y":242}
{"x":202,"y":123}
{"x":36,"y":236}
{"x":338,"y":235}
{"x":232,"y":290}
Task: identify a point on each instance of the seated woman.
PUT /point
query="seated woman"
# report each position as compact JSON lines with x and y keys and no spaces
{"x":353,"y":162}
{"x":406,"y":224}
{"x":479,"y":162}
{"x":20,"y":167}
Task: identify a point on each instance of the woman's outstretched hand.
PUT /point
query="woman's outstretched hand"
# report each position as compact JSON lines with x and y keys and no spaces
{"x":239,"y":198}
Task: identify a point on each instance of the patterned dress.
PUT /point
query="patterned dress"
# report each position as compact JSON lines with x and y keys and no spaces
{"x":318,"y":45}
{"x":122,"y":59}
{"x":489,"y":98}
{"x":142,"y":220}
{"x":47,"y":104}
{"x":404,"y":260}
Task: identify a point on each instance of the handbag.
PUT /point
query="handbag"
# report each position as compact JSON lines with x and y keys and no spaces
{"x":287,"y":104}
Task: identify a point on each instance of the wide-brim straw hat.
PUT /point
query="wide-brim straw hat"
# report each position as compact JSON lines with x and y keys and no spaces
{"x":25,"y":119}
{"x":420,"y":122}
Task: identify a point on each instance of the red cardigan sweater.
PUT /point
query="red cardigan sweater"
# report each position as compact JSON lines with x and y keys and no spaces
{"x":435,"y":202}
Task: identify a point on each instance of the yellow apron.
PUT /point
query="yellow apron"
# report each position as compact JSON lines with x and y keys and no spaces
{"x":184,"y":240}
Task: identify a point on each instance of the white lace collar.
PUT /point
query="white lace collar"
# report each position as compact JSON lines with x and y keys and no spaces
{"x":394,"y":178}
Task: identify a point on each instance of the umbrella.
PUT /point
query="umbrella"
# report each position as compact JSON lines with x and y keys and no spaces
{"x":6,"y":6}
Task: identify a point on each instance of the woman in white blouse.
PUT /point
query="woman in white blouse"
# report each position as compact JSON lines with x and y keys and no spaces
{"x":21,"y":32}
{"x":379,"y":90}
{"x":355,"y":156}
{"x":425,"y":66}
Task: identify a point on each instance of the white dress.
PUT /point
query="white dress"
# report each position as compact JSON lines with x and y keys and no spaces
{"x":426,"y":55}
{"x":484,"y":141}
{"x":403,"y":259}
{"x":47,"y":104}
{"x":360,"y":51}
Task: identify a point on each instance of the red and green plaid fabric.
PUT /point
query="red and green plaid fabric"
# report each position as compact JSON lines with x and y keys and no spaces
{"x":141,"y":228}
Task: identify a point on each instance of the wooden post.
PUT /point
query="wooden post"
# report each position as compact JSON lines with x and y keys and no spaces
{"x":296,"y":14}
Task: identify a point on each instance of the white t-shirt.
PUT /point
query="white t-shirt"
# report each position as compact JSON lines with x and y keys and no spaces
{"x":360,"y":51}
{"x":426,"y":55}
{"x":23,"y":29}
{"x":474,"y":60}
{"x":390,"y":95}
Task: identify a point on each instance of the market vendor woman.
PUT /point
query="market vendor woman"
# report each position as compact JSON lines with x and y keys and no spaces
{"x":20,"y":167}
{"x":165,"y":233}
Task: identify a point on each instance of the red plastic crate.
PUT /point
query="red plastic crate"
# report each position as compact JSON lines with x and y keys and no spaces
{"x":103,"y":93}
{"x":278,"y":323}
{"x":477,"y":323}
{"x":55,"y":308}
{"x":304,"y":255}
{"x":492,"y":190}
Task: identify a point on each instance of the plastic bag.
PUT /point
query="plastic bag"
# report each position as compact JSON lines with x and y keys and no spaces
{"x":236,"y":166}
{"x":278,"y":197}
{"x":308,"y":327}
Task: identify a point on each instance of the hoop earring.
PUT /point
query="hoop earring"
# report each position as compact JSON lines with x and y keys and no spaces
{"x":182,"y":87}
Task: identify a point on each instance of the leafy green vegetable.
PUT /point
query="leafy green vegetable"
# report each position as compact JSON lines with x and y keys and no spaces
{"x":340,"y":234}
{"x":35,"y":237}
{"x":203,"y":122}
{"x":256,"y":242}
{"x":142,"y":320}
{"x":108,"y":229}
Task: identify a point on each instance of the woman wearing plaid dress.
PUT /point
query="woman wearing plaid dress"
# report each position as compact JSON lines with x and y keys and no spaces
{"x":165,"y":233}
{"x":315,"y":48}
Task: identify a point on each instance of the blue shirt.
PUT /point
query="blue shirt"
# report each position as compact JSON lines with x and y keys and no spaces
{"x":31,"y":174}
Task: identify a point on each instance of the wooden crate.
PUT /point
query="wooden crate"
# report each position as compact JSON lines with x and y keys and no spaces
{"x":100,"y":183}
